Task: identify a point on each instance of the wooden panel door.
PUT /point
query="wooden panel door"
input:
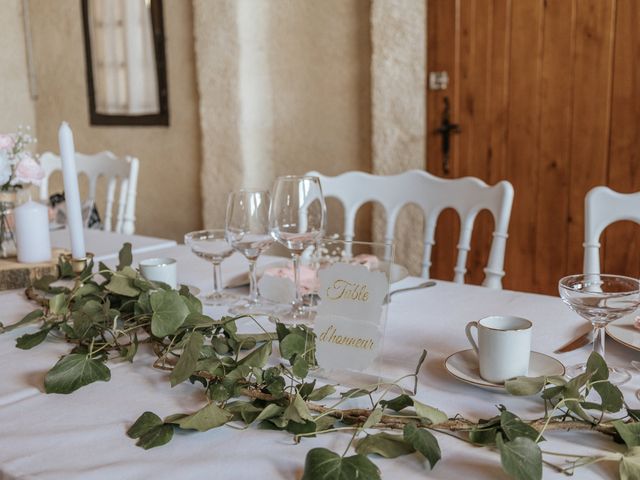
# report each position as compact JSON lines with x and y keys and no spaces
{"x":546,"y":96}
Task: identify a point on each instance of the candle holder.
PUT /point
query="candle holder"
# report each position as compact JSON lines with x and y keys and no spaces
{"x":78,"y":265}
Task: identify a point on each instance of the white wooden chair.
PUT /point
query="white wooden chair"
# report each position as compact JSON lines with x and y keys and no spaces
{"x":103,"y":164}
{"x":603,"y":207}
{"x":467,"y":196}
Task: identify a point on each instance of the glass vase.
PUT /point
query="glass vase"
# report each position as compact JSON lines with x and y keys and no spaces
{"x":7,"y":237}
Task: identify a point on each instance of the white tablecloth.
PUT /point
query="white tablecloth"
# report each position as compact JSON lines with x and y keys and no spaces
{"x":82,"y":435}
{"x":105,"y":245}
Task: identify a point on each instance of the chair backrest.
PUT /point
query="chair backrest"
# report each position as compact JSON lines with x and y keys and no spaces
{"x":104,"y":164}
{"x":467,"y":196}
{"x":603,"y":207}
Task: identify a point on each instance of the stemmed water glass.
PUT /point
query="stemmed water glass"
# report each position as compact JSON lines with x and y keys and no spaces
{"x":247,"y":231}
{"x":212,"y":246}
{"x":601,"y":299}
{"x":297,"y":220}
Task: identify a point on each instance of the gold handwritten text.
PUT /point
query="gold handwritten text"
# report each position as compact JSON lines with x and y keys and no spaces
{"x":343,"y":290}
{"x":330,"y":336}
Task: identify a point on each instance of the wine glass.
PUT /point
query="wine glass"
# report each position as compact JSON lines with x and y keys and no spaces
{"x":297,"y":220}
{"x":601,"y":299}
{"x":212,"y":246}
{"x":247,"y":231}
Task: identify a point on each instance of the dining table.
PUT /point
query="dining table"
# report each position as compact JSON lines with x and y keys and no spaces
{"x":82,"y":435}
{"x":105,"y":245}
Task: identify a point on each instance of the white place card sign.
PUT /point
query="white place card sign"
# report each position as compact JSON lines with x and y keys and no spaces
{"x":349,"y":324}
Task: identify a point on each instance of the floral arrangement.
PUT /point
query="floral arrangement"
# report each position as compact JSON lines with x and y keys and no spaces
{"x":18,"y":166}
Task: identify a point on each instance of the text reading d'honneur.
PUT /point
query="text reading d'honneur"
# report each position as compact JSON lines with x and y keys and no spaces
{"x":329,"y":335}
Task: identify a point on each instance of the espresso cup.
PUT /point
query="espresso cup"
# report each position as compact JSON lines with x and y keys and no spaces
{"x":503,"y":347}
{"x":163,"y":270}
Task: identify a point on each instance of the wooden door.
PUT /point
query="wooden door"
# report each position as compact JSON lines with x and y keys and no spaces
{"x":547,"y":96}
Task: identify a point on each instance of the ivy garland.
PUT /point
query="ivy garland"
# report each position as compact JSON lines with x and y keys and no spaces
{"x":107,"y":314}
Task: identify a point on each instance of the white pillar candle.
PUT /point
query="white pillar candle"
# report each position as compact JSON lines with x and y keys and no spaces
{"x":71,"y":192}
{"x":32,"y":233}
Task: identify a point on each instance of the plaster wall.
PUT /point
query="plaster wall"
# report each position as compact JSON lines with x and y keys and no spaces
{"x":398,"y":72}
{"x":284,"y":88}
{"x":169,"y":202}
{"x":16,"y":106}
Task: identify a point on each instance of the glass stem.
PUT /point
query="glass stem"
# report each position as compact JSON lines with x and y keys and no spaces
{"x":296,"y":278}
{"x":598,"y":340}
{"x":217,"y":279}
{"x":253,"y":282}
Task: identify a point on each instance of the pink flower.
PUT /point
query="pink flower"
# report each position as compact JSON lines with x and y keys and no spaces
{"x":28,"y":170}
{"x":6,"y":141}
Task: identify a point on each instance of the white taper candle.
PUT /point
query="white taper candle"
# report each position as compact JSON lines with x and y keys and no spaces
{"x":71,"y":192}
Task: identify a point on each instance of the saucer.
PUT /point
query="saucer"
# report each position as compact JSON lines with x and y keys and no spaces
{"x":463,"y":365}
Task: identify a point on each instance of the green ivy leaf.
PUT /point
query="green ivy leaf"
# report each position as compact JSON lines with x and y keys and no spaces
{"x":524,"y":386}
{"x":398,"y":403}
{"x":630,"y":433}
{"x":129,"y":352}
{"x":74,"y":371}
{"x":196,"y":320}
{"x":513,"y":427}
{"x":125,"y":257}
{"x":169,"y":312}
{"x":302,"y":428}
{"x":597,"y":367}
{"x":323,"y":464}
{"x":150,"y":430}
{"x":218,"y":392}
{"x":259,"y":357}
{"x":144,"y":423}
{"x":28,"y":318}
{"x":188,"y":360}
{"x":300,"y":367}
{"x":374,"y":417}
{"x":423,"y":441}
{"x":30,"y":340}
{"x":121,"y":285}
{"x":355,"y":393}
{"x":208,"y":417}
{"x":156,"y":437}
{"x":86,"y":289}
{"x":612,"y":399}
{"x":270,"y":411}
{"x":322,"y":392}
{"x":58,"y":303}
{"x":630,"y":465}
{"x":430,"y":414}
{"x":293,"y":344}
{"x":485,"y":432}
{"x":297,"y":411}
{"x":385,"y":445}
{"x":521,"y":458}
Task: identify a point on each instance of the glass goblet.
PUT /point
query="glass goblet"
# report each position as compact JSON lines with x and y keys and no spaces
{"x":212,"y":246}
{"x":297,"y":220}
{"x":600,"y":299}
{"x":247,"y":231}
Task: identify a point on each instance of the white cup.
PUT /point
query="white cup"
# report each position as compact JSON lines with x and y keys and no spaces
{"x":160,"y":270}
{"x":503,"y":348}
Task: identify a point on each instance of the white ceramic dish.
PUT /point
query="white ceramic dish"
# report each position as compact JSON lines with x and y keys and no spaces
{"x":463,"y":365}
{"x":623,"y":331}
{"x":396,"y":272}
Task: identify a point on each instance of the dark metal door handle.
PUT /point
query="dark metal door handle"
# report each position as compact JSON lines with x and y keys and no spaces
{"x":445,"y":129}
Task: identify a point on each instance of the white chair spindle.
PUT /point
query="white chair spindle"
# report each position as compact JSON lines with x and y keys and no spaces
{"x":432,"y":195}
